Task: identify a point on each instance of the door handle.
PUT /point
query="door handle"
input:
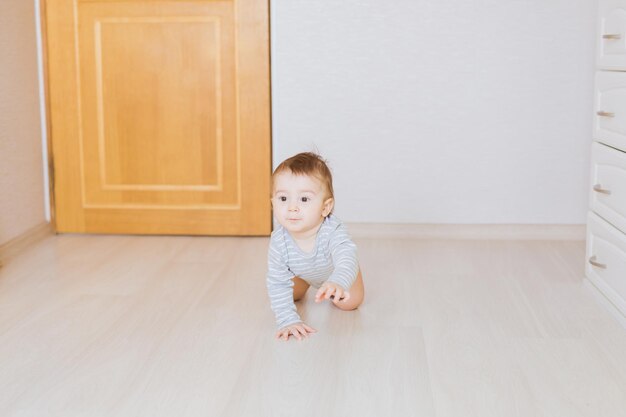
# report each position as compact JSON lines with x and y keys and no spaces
{"x":593,"y":262}
{"x":612,"y":36}
{"x":605,"y":114}
{"x":598,"y":189}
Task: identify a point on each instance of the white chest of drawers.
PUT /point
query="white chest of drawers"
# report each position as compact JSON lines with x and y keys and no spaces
{"x":606,"y":221}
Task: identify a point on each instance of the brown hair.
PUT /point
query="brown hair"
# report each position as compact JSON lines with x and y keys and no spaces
{"x":308,"y":163}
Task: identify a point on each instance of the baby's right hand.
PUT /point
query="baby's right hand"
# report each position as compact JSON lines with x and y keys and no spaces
{"x":297,"y":330}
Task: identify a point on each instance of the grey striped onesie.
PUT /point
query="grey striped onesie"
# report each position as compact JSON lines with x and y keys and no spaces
{"x":333,"y":259}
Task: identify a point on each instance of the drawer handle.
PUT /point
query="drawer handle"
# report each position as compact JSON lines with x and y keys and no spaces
{"x":612,"y":36}
{"x":593,"y":262}
{"x":605,"y":114}
{"x":598,"y":189}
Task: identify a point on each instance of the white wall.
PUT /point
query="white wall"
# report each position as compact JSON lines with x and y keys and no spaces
{"x":21,"y":177}
{"x":440,"y":111}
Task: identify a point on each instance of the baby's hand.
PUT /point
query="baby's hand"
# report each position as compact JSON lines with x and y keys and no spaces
{"x":330,"y":290}
{"x":297,"y":330}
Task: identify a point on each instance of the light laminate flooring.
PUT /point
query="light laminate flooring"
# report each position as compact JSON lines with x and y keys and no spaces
{"x":181,"y":326}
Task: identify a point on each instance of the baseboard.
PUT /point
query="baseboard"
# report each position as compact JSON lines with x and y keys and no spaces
{"x":19,"y":243}
{"x":468,"y":231}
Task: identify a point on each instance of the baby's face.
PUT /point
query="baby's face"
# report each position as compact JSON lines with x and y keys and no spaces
{"x":300,"y":203}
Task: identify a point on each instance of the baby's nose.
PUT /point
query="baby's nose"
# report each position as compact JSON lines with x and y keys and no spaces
{"x":293,"y":207}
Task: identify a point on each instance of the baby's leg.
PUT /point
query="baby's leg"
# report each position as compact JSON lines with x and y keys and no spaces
{"x":357,"y":294}
{"x":299,"y":288}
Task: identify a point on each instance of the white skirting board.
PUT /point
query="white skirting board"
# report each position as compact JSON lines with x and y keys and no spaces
{"x":17,"y":244}
{"x":468,"y":231}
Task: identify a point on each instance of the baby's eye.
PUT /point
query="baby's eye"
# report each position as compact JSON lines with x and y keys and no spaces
{"x":282,"y":198}
{"x":305,"y":199}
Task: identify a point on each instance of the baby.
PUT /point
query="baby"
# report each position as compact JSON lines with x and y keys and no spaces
{"x":310,"y":247}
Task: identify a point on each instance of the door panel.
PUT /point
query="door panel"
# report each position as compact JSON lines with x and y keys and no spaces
{"x":160,"y":116}
{"x":609,"y":125}
{"x":611,"y":36}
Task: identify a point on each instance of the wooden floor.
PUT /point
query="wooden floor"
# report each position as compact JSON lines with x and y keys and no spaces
{"x":181,"y":326}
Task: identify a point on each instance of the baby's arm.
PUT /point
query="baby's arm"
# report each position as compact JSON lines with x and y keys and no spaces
{"x":280,"y":288}
{"x":346,"y":263}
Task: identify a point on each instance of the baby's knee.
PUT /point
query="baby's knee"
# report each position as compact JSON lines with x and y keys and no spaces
{"x":300,"y":287}
{"x":346,"y":305}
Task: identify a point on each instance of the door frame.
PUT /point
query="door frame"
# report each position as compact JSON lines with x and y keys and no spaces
{"x":46,"y":98}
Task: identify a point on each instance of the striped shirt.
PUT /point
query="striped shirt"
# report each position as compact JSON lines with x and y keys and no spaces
{"x":334,"y":259}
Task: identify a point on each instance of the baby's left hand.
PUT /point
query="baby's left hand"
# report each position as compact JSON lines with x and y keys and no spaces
{"x":329,"y":289}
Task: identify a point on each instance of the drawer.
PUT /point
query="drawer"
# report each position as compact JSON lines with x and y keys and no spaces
{"x":611,"y":35}
{"x":608,"y":184}
{"x":606,"y":260}
{"x":609,"y":124}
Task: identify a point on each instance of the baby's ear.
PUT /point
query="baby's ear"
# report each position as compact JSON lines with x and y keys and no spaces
{"x":328,"y":206}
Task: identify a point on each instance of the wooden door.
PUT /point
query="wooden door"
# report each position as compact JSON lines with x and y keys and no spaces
{"x":160,"y":116}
